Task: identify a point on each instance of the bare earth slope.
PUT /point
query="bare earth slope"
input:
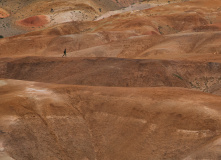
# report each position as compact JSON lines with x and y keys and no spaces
{"x":162,"y":32}
{"x":204,"y":76}
{"x":47,"y":121}
{"x":141,"y":80}
{"x":20,"y":15}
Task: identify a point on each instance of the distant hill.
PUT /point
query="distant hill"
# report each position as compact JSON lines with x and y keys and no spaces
{"x":23,"y":16}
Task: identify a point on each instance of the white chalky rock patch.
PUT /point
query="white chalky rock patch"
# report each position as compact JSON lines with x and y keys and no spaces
{"x":131,"y":9}
{"x":2,"y":83}
{"x":8,"y":120}
{"x":1,"y":147}
{"x":63,"y":117}
{"x":201,"y":133}
{"x":76,"y":15}
{"x":153,"y":127}
{"x":210,"y":111}
{"x":5,"y":156}
{"x":38,"y":91}
{"x":41,"y":93}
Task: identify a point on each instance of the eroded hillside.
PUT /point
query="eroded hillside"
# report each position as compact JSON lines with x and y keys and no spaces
{"x":141,"y":80}
{"x":73,"y":122}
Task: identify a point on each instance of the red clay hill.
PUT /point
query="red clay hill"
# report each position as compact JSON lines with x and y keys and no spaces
{"x":35,"y":21}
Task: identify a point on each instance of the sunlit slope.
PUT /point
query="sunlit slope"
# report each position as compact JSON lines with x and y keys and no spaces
{"x":24,"y":16}
{"x":49,"y":121}
{"x":185,"y":30}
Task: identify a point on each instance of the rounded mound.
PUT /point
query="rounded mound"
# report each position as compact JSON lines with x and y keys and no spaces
{"x":3,"y":13}
{"x":35,"y":21}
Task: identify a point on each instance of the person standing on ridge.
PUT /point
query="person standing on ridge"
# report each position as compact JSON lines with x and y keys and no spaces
{"x":64,"y":53}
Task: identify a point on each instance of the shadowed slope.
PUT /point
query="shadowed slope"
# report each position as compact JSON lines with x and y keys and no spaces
{"x":205,"y":76}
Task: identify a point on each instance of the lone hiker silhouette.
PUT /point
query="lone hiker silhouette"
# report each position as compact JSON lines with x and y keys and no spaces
{"x":64,"y":53}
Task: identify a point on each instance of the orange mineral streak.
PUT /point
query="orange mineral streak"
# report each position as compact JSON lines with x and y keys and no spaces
{"x":3,"y":13}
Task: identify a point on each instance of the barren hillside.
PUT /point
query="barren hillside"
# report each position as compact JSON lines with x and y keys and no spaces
{"x":50,"y":121}
{"x":115,"y":72}
{"x":140,"y":80}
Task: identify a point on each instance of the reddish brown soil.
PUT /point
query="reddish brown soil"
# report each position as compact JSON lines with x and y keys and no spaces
{"x":202,"y":46}
{"x":142,"y":85}
{"x":205,"y":76}
{"x":35,"y":21}
{"x":48,"y":121}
